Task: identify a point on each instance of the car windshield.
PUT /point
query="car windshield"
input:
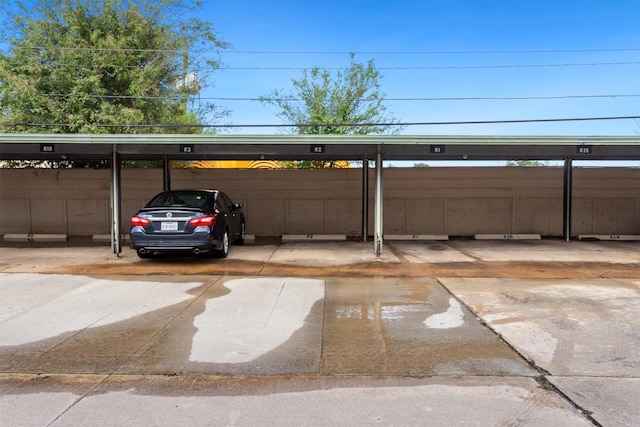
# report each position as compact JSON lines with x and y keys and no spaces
{"x":182,"y":199}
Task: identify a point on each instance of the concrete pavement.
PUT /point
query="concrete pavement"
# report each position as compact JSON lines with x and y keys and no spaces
{"x":87,"y":338}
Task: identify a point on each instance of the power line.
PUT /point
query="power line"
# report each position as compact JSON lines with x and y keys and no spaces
{"x":401,"y":68}
{"x":478,"y":98}
{"x":335,"y":52}
{"x":307,"y":125}
{"x":268,"y":99}
{"x":444,"y":67}
{"x":427,"y":52}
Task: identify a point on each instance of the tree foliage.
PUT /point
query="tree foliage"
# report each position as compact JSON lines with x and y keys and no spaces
{"x":315,"y":164}
{"x":527,"y":163}
{"x":105,"y":66}
{"x":348,"y":102}
{"x":344,"y":103}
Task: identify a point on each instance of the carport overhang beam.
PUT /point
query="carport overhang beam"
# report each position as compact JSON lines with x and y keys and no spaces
{"x":315,"y":147}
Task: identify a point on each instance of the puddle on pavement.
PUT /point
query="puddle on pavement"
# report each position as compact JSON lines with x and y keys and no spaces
{"x":393,"y":326}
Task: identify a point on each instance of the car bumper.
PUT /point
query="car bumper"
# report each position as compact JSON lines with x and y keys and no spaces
{"x":174,"y":243}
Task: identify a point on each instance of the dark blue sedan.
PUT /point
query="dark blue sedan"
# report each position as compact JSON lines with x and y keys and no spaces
{"x":196,"y":221}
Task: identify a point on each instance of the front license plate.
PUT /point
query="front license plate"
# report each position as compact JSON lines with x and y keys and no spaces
{"x":169,"y":226}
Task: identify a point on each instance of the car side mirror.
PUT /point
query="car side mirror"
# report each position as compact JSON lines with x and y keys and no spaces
{"x":237,"y":206}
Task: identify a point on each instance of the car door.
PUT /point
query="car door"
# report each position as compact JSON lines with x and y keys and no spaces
{"x":233,"y":216}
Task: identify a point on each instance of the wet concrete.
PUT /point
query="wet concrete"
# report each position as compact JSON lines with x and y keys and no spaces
{"x":381,"y":327}
{"x":515,"y":333}
{"x":259,"y":326}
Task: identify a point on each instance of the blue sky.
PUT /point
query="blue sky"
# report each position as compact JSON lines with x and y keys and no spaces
{"x":463,"y":49}
{"x":441,"y":49}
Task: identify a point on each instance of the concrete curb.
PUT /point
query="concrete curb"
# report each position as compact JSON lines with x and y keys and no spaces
{"x":418,"y":237}
{"x":35,"y":237}
{"x":507,"y":236}
{"x":309,"y":237}
{"x":625,"y":237}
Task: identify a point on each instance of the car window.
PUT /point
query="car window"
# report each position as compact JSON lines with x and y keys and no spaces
{"x":188,"y":199}
{"x":196,"y":200}
{"x":223,"y":201}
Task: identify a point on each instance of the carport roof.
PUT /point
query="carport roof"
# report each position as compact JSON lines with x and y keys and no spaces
{"x":22,"y":146}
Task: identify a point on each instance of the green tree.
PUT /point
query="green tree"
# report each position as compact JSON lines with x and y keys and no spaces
{"x":105,"y":66}
{"x":527,"y":163}
{"x":348,"y":102}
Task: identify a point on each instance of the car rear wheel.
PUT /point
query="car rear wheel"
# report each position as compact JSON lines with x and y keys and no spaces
{"x":222,"y":253}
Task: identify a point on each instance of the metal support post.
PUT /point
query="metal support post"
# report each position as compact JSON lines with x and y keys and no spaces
{"x":567,"y":201}
{"x":365,"y":199}
{"x":378,"y":234}
{"x":166,"y":174}
{"x":116,"y":235}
